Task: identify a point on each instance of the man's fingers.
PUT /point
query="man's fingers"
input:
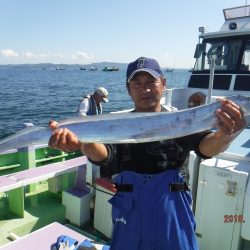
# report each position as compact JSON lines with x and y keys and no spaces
{"x":231,"y":117}
{"x":62,"y":138}
{"x":65,"y":140}
{"x":53,"y":141}
{"x":53,"y":124}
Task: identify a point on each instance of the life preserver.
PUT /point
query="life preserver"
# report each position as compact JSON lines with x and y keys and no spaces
{"x":196,"y":99}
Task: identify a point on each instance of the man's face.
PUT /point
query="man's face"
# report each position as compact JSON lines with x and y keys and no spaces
{"x":99,"y":98}
{"x":146,"y":91}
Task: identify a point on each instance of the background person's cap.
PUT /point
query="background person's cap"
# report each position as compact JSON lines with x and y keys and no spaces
{"x":143,"y":64}
{"x":102,"y":92}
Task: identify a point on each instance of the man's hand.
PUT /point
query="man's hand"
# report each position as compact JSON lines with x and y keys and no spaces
{"x":231,"y":123}
{"x":63,"y":139}
{"x":231,"y":119}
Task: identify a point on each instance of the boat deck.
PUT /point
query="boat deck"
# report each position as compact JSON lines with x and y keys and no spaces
{"x":41,"y":208}
{"x":240,"y":148}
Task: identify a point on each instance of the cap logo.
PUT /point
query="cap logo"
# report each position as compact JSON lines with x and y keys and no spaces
{"x":141,"y":62}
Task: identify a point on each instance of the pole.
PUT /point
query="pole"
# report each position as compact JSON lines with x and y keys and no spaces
{"x":211,"y":80}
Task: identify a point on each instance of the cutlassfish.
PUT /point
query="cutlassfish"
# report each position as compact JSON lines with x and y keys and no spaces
{"x":129,"y":127}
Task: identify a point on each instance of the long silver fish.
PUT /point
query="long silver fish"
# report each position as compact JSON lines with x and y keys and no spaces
{"x":129,"y":127}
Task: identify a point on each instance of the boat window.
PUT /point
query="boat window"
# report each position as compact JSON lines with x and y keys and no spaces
{"x":237,"y":12}
{"x":241,"y":83}
{"x":226,"y":54}
{"x":245,"y":57}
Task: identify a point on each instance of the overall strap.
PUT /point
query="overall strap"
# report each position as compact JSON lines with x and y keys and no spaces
{"x":92,"y":105}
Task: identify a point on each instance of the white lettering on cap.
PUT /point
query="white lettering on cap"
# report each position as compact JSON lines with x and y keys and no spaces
{"x":141,"y":62}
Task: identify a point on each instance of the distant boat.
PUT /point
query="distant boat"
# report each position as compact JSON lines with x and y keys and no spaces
{"x":82,"y":68}
{"x":93,"y":68}
{"x":169,"y":70}
{"x":60,"y":68}
{"x":110,"y":68}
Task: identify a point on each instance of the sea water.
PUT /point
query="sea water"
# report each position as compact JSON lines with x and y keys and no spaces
{"x":32,"y":94}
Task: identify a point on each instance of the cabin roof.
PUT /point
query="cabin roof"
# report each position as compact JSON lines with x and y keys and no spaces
{"x":237,"y":23}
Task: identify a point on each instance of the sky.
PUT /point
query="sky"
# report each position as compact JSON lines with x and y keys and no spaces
{"x":91,"y":31}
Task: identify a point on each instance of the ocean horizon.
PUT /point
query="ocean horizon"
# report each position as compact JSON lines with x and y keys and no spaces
{"x":99,"y":64}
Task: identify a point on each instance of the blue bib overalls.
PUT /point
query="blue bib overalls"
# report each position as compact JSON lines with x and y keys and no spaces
{"x":149,"y":216}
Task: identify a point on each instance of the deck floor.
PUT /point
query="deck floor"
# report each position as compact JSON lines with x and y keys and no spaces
{"x":41,"y":208}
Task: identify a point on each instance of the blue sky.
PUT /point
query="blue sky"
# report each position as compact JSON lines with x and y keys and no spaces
{"x":88,"y":31}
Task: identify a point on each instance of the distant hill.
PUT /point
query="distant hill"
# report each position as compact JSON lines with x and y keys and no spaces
{"x":99,"y":66}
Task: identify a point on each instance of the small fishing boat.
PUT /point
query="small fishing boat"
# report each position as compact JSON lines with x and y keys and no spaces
{"x":113,"y":68}
{"x":93,"y":68}
{"x":60,"y":68}
{"x":169,"y":70}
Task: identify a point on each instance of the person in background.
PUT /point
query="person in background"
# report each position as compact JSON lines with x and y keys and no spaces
{"x":152,"y":206}
{"x":91,"y":104}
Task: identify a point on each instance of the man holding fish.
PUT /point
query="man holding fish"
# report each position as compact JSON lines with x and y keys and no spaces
{"x":152,"y":206}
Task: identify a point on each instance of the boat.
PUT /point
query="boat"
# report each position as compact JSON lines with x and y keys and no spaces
{"x":93,"y":68}
{"x":60,"y":68}
{"x":220,"y":186}
{"x":113,"y":68}
{"x":169,"y":70}
{"x":82,"y":68}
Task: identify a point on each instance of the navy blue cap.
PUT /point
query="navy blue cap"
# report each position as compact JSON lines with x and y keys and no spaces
{"x":144,"y":64}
